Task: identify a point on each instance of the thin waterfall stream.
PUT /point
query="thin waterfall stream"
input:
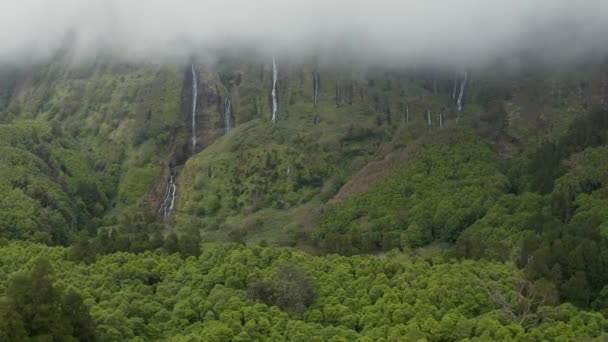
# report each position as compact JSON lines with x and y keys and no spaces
{"x":167,"y":205}
{"x":275,"y":105}
{"x":227,"y":110}
{"x":194,"y":100}
{"x":316,"y":83}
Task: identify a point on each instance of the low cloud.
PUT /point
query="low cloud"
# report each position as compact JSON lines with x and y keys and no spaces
{"x":399,"y":32}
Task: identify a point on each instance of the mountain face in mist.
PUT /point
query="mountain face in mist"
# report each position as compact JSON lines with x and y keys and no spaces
{"x":377,"y":177}
{"x":382,"y":32}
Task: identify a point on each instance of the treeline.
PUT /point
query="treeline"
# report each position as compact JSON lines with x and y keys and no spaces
{"x":244,"y":293}
{"x":561,"y":237}
{"x":137,"y":230}
{"x":456,"y":192}
{"x":48,"y":190}
{"x":35,"y":309}
{"x":50,"y":193}
{"x":545,"y":165}
{"x":438,"y":193}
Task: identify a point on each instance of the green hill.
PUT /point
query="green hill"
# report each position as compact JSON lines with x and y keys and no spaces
{"x":488,"y":223}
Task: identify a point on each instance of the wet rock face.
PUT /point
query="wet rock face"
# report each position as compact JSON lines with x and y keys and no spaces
{"x":194,"y":99}
{"x":463,"y":85}
{"x":275,"y":104}
{"x":316,"y":85}
{"x":227,"y":111}
{"x":168,"y":203}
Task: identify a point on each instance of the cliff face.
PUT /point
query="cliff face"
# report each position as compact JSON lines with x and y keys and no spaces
{"x":133,"y":124}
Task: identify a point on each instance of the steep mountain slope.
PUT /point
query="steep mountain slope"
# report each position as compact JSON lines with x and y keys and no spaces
{"x":496,"y":164}
{"x":122,"y":116}
{"x":134,"y":122}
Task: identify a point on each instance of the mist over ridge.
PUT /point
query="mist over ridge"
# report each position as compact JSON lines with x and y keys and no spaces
{"x":383,"y":32}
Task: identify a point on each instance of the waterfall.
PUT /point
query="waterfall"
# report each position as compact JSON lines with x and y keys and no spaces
{"x":440,"y":120}
{"x":227,"y":110}
{"x":316,"y":84}
{"x":168,"y":203}
{"x":428,"y":119}
{"x":462,"y":88}
{"x":407,"y":113}
{"x":194,"y":99}
{"x":275,"y":106}
{"x":455,"y":91}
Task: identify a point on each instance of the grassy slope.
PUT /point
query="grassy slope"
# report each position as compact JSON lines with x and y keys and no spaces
{"x":261,"y":178}
{"x":224,"y":188}
{"x":132,"y":121}
{"x":122,"y":116}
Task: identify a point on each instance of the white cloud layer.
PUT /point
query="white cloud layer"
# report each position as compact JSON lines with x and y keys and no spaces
{"x":453,"y":32}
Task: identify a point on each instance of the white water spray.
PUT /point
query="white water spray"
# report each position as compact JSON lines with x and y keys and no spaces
{"x":227,"y":110}
{"x":168,"y":203}
{"x":462,"y":88}
{"x":275,"y":105}
{"x":316,"y":82}
{"x":194,"y":99}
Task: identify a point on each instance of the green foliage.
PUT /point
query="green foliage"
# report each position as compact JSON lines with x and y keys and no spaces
{"x":118,"y":122}
{"x":155,"y":296}
{"x":89,"y":169}
{"x":434,"y":196}
{"x":291,"y":290}
{"x":560,"y":237}
{"x":252,"y":175}
{"x":48,"y":190}
{"x":572,"y":254}
{"x":82,"y":249}
{"x":545,"y":163}
{"x":139,"y":230}
{"x":497,"y":235}
{"x":34,"y":307}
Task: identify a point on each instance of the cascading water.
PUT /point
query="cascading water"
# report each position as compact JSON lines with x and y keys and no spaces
{"x":428,"y":119}
{"x":275,"y":105}
{"x":316,"y":83}
{"x":194,"y":99}
{"x":455,"y":91}
{"x":462,"y":88}
{"x":227,"y":110}
{"x":168,"y":203}
{"x":440,"y":120}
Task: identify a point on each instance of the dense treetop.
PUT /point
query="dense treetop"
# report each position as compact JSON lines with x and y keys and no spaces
{"x":213,"y":297}
{"x":377,"y":212}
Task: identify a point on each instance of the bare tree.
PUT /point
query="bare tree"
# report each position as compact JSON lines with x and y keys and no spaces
{"x":525,"y":307}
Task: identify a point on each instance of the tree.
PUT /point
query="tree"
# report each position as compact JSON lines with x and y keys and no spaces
{"x":38,"y":302}
{"x":82,"y":249}
{"x":190,"y":243}
{"x":529,"y":298}
{"x":576,"y":289}
{"x":291,"y":289}
{"x":45,"y":312}
{"x":171,"y":244}
{"x":78,"y":314}
{"x":261,"y":290}
{"x":11,"y":323}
